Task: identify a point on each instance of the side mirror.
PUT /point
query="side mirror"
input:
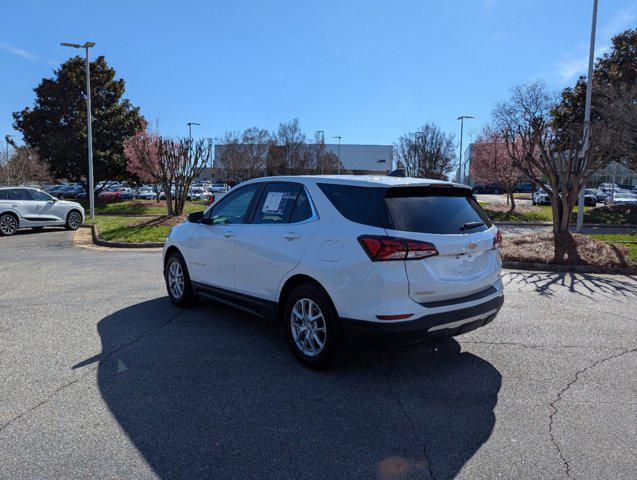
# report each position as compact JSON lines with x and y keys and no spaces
{"x":195,"y":217}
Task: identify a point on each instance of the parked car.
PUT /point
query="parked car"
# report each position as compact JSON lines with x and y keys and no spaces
{"x":194,"y":194}
{"x":112,"y":193}
{"x":127,"y":194}
{"x":622,"y":197}
{"x":70,"y":192}
{"x":607,"y":187}
{"x":337,"y":258}
{"x":525,"y":187}
{"x":32,"y":208}
{"x":489,"y":188}
{"x":146,"y":194}
{"x":219,"y":187}
{"x":540,"y":197}
{"x":599,"y":194}
{"x":590,"y":197}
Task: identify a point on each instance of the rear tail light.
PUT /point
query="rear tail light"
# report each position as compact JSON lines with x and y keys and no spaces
{"x":497,"y":240}
{"x":381,"y":249}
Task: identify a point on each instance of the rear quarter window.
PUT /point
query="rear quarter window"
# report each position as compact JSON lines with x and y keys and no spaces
{"x":353,"y":202}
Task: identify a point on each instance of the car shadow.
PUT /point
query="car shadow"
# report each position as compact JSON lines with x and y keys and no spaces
{"x":32,"y":231}
{"x":210,"y":392}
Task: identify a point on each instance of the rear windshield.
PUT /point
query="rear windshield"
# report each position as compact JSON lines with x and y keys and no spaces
{"x":410,"y":209}
{"x":428,"y":210}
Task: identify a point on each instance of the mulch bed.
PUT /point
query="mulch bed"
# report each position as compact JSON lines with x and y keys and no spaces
{"x":578,"y":249}
{"x":161,"y":221}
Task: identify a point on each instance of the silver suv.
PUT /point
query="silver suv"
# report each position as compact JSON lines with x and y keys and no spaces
{"x":22,"y":207}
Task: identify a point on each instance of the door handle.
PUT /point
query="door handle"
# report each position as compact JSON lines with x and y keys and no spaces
{"x":228,"y":234}
{"x":291,"y":236}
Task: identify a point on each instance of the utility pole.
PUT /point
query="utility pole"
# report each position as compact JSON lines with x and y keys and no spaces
{"x":587,"y":115}
{"x":89,"y":124}
{"x":339,"y":153}
{"x":461,"y":118}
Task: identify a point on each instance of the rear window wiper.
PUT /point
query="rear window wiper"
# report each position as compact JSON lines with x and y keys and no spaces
{"x":470,"y":225}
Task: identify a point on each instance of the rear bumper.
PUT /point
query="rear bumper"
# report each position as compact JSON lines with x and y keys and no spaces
{"x":444,"y":324}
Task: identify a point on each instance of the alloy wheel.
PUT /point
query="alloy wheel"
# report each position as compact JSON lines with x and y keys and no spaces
{"x":75,"y":220}
{"x":8,"y":225}
{"x":308,"y":327}
{"x":176,"y":281}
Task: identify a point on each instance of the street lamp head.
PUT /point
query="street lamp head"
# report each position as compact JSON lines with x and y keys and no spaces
{"x":464,"y":116}
{"x":77,"y":45}
{"x":193,"y":123}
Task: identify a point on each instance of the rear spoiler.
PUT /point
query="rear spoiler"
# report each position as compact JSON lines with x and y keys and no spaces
{"x":441,"y":189}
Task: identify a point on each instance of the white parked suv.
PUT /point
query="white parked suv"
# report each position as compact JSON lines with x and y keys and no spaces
{"x":22,"y":207}
{"x":337,"y":258}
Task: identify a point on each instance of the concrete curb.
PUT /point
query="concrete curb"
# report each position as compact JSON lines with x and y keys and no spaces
{"x":95,"y":235}
{"x":554,"y":267}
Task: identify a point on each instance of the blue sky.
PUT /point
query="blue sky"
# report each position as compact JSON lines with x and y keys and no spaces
{"x":363,"y":69}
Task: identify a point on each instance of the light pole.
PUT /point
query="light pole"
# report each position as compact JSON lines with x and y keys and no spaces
{"x":89,"y":126}
{"x":461,"y":118}
{"x":339,"y":153}
{"x":6,"y":140}
{"x":320,"y":134}
{"x":190,"y":124}
{"x":587,"y":115}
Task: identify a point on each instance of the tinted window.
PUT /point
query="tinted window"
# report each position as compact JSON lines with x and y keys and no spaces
{"x":276,"y":204}
{"x":352,"y":202}
{"x":234,"y":207}
{"x":4,"y":194}
{"x":18,"y":194}
{"x":425,"y":212}
{"x":39,"y":196}
{"x":302,"y":210}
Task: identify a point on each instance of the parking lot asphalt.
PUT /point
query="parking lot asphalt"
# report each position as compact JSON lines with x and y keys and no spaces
{"x":100,"y":376}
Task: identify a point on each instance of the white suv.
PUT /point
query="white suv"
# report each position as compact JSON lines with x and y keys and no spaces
{"x":335,"y":258}
{"x":22,"y":207}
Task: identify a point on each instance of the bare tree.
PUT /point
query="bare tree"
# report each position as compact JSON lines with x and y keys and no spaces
{"x":551,"y":157}
{"x":426,"y":153}
{"x":169,"y":162}
{"x":230,"y":158}
{"x":185,"y":159}
{"x":21,"y":166}
{"x":289,"y":156}
{"x":256,"y":145}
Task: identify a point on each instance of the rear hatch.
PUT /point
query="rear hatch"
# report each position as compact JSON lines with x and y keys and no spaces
{"x":449,"y":218}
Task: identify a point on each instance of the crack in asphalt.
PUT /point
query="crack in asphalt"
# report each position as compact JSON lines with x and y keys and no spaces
{"x":396,"y":397}
{"x":537,"y":346}
{"x":554,"y":403}
{"x":100,"y":362}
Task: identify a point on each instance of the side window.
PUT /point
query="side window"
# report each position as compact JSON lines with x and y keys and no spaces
{"x":353,"y":202}
{"x":39,"y":196}
{"x":4,"y":194}
{"x":302,"y":209}
{"x":19,"y":194}
{"x":276,"y":204}
{"x":233,"y":208}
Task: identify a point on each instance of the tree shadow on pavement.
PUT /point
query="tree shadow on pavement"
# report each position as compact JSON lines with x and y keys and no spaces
{"x":209,"y":392}
{"x":587,"y":285}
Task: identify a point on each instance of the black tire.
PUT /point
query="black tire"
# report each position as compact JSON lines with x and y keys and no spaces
{"x":9,"y":224}
{"x":73,"y":220}
{"x":533,"y":202}
{"x":332,"y":349}
{"x":188,"y":296}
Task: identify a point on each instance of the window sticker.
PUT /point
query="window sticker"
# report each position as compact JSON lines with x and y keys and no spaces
{"x":274,"y":203}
